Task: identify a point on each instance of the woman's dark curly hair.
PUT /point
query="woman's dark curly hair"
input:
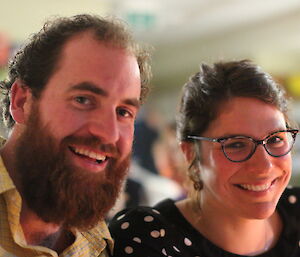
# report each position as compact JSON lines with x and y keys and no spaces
{"x":206,"y":91}
{"x":36,"y":62}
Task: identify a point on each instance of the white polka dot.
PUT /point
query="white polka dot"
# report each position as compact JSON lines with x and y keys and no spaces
{"x":121,"y":217}
{"x":164,"y":251}
{"x":162,"y":232}
{"x":187,"y":242}
{"x":156,"y":211}
{"x":137,"y":239}
{"x":125,"y":225}
{"x":128,"y":250}
{"x":289,"y":186}
{"x":148,"y":219}
{"x":176,"y":249}
{"x":299,"y":243}
{"x":155,"y":233}
{"x":292,"y":199}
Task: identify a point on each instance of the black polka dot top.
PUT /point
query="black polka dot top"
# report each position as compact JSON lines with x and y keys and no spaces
{"x":162,"y":231}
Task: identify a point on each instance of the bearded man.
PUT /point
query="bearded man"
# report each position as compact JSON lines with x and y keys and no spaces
{"x":70,"y":101}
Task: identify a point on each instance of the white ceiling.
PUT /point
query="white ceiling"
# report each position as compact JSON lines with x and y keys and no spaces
{"x":185,"y":20}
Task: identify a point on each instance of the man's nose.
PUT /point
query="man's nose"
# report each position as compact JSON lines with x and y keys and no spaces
{"x":105,"y":127}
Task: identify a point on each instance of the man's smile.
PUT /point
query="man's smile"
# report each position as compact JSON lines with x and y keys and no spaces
{"x":89,"y":159}
{"x":88,"y":153}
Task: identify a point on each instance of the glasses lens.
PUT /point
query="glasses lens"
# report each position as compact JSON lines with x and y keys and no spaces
{"x":238,"y":148}
{"x":280,"y":143}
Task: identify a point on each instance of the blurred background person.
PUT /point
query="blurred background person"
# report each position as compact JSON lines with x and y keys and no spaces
{"x":169,"y":159}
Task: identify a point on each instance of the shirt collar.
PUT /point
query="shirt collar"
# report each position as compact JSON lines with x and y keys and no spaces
{"x":6,"y":182}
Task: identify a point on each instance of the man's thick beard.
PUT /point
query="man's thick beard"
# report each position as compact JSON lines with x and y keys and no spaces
{"x":57,"y":191}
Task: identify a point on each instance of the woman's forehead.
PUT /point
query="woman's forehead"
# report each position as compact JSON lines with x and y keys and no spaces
{"x":246,"y":116}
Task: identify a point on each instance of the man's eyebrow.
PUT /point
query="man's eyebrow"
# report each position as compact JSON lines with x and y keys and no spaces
{"x":89,"y":86}
{"x":133,"y":102}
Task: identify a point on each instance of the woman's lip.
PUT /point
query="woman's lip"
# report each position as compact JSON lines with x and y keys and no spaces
{"x":256,"y":187}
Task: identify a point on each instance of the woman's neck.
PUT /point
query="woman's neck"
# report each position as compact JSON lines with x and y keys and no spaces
{"x":231,"y":233}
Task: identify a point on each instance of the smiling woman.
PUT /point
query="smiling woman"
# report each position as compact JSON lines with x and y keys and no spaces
{"x":237,"y":137}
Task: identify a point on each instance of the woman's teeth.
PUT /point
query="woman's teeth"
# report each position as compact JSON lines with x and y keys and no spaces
{"x":256,"y":188}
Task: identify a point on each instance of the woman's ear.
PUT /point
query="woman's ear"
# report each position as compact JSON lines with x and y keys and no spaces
{"x":20,"y":102}
{"x":188,"y":151}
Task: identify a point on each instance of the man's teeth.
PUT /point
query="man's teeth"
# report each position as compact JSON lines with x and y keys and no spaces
{"x":256,"y":188}
{"x":90,"y":154}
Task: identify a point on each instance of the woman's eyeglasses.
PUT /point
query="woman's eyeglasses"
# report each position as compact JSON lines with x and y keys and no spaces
{"x":241,"y":148}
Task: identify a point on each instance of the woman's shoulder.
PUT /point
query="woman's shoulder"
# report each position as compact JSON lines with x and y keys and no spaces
{"x":290,"y":202}
{"x":140,"y":216}
{"x":146,"y":231}
{"x":291,"y":196}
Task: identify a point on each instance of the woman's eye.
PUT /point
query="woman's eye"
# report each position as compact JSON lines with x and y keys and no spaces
{"x":275,"y":140}
{"x":236,"y":145}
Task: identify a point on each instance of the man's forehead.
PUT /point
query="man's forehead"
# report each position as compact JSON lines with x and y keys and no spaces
{"x":87,"y":42}
{"x":88,"y":38}
{"x":95,"y":66}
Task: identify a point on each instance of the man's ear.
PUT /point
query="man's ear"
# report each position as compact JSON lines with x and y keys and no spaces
{"x":20,"y":102}
{"x":188,"y":150}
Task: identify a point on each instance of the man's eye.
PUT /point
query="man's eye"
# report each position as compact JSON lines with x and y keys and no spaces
{"x":124,"y":113}
{"x":82,"y":100}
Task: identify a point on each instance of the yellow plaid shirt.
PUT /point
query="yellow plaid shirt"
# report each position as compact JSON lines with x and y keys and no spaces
{"x":94,"y":243}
